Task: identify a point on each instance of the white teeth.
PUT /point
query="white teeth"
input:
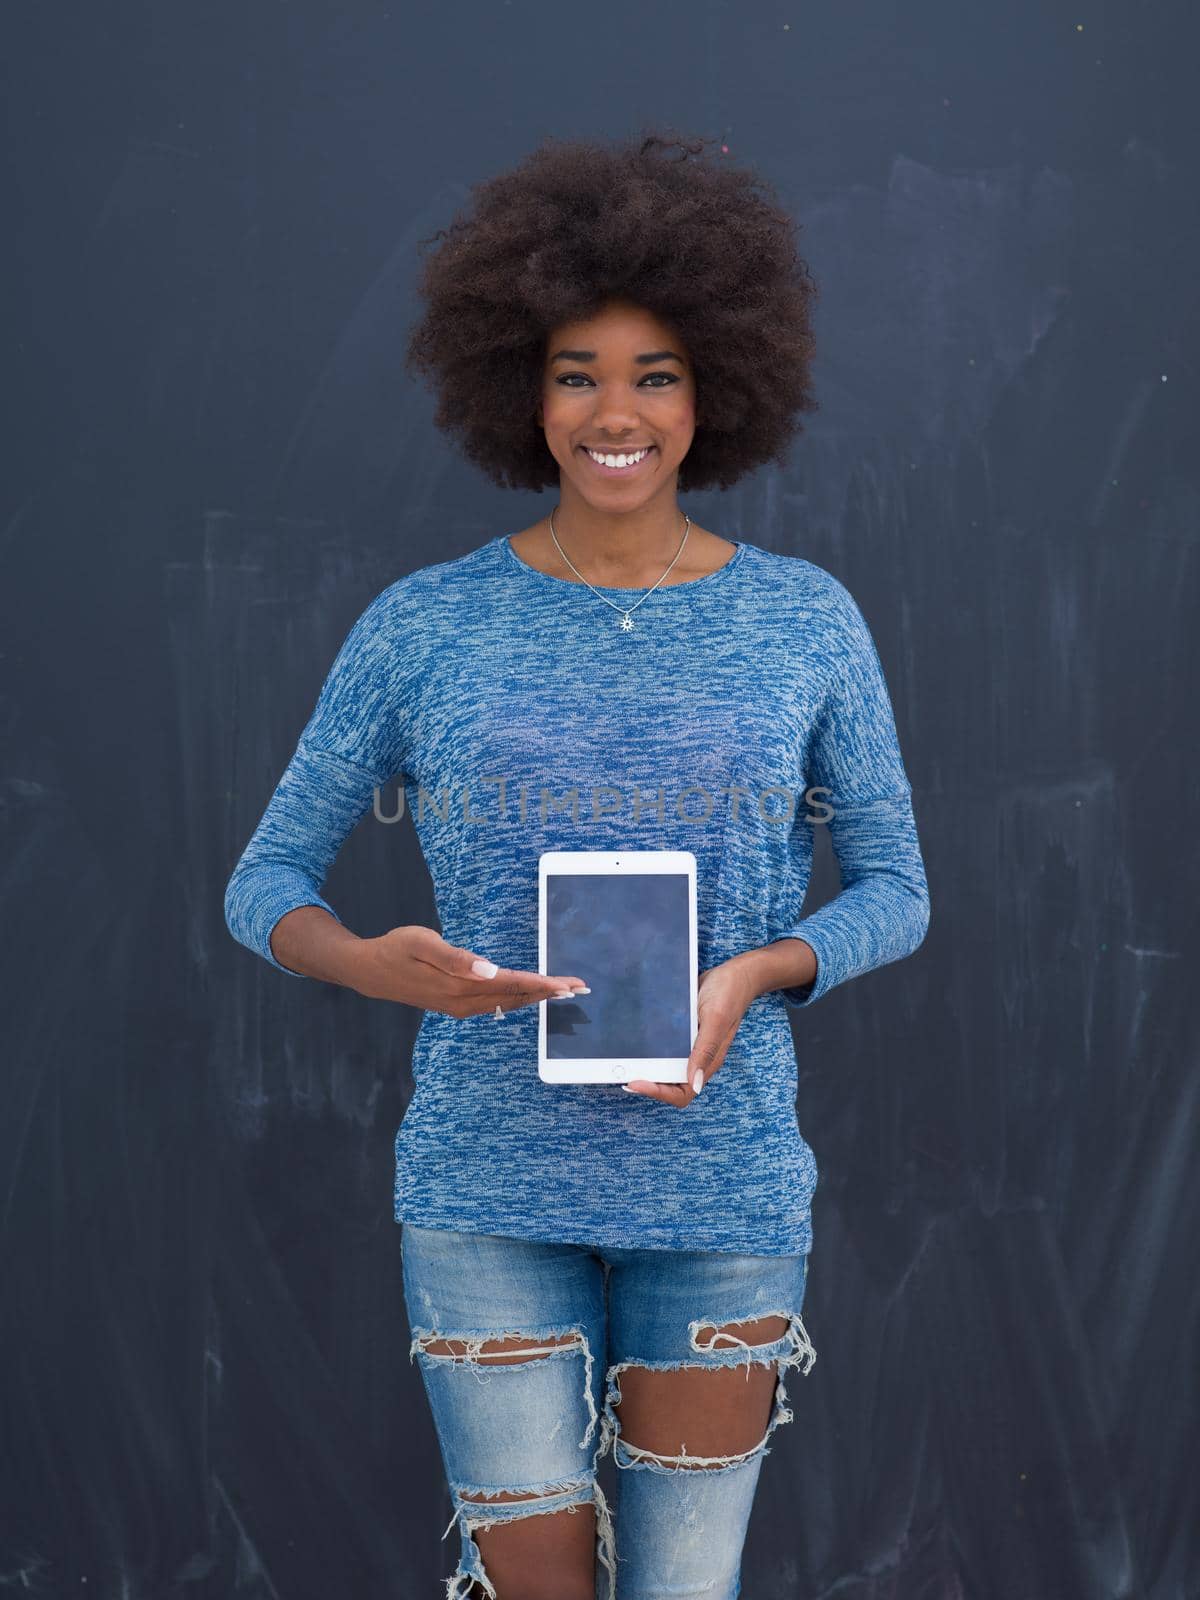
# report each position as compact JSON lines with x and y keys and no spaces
{"x":618,"y":461}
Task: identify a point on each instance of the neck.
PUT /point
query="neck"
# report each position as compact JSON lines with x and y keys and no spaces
{"x":620,"y":550}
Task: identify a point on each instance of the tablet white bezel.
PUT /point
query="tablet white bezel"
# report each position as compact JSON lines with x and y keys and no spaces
{"x":615,"y":863}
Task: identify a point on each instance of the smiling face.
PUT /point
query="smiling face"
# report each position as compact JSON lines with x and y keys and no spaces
{"x":619,"y":382}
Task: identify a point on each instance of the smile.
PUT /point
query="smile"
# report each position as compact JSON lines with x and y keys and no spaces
{"x":624,"y":464}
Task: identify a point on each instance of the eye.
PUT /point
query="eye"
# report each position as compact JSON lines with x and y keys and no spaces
{"x":671,"y":377}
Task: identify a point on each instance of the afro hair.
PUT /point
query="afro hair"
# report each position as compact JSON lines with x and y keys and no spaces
{"x":701,"y":244}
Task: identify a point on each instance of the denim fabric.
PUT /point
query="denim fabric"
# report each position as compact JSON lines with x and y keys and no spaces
{"x":542,"y":1424}
{"x":746,"y":709}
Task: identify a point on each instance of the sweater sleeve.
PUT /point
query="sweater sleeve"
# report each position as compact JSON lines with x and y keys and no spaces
{"x":882,"y":910}
{"x":349,"y":746}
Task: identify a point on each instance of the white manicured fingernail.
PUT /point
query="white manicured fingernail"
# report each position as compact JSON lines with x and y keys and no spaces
{"x":484,"y":969}
{"x":698,"y":1080}
{"x":563,"y":994}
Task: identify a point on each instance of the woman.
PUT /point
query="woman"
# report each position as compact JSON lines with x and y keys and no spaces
{"x":588,"y":1267}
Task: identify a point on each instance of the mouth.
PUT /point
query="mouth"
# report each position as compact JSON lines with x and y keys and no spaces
{"x":627,"y":471}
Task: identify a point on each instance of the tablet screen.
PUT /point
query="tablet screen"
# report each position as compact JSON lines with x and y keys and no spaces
{"x":627,"y":936}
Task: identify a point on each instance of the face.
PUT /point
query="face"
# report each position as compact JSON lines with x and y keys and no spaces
{"x":618,"y":381}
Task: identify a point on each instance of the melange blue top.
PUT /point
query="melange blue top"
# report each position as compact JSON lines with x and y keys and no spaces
{"x":522,"y":718}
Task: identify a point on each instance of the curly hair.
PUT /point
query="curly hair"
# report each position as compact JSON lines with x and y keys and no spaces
{"x":578,"y":224}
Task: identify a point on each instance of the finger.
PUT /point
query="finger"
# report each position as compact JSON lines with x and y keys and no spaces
{"x":459,"y":963}
{"x":512,"y":989}
{"x":671,"y":1094}
{"x":524,"y":986}
{"x":700,"y":1068}
{"x":708,"y":1052}
{"x":475,"y":968}
{"x":505,"y":982}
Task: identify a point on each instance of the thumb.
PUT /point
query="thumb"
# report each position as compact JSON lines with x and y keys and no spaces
{"x":428,"y":945}
{"x":466,"y":964}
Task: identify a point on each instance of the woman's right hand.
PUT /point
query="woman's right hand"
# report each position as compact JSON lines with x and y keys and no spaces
{"x":416,"y":966}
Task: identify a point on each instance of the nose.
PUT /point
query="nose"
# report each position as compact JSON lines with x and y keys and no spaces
{"x":612,"y":420}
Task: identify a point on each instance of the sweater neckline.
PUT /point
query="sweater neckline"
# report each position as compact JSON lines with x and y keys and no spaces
{"x":706,"y":582}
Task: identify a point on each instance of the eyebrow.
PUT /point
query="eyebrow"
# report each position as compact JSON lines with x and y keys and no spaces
{"x":643,"y":360}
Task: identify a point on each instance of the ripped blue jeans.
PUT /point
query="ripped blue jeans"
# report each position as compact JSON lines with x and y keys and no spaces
{"x":539,"y":1425}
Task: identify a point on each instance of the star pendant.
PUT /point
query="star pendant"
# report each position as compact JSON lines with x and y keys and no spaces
{"x":626,"y":623}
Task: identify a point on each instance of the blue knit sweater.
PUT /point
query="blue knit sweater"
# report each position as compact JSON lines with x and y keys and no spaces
{"x":743,"y":710}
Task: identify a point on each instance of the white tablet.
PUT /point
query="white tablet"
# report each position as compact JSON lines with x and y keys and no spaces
{"x":625,"y":922}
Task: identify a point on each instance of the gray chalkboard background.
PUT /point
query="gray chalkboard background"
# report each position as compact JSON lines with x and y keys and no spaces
{"x":213,"y":461}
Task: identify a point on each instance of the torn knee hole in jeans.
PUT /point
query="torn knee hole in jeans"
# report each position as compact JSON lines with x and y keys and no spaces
{"x":786,"y":1347}
{"x":713,"y":1337}
{"x":536,"y":1501}
{"x":476,"y":1351}
{"x":510,"y":1505}
{"x":493,"y":1346}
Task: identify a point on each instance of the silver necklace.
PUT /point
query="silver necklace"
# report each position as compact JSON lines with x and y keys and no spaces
{"x":626,"y":622}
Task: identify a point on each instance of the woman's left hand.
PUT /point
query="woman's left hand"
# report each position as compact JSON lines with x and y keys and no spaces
{"x":723,"y":996}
